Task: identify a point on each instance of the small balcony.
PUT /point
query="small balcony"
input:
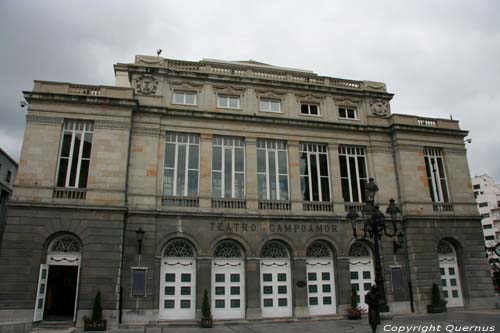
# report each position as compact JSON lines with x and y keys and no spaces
{"x":173,"y":201}
{"x":227,"y":203}
{"x":69,"y":193}
{"x":317,"y":206}
{"x":275,"y":205}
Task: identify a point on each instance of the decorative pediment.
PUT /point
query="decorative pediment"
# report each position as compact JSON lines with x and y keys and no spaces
{"x":275,"y":94}
{"x":347,"y":102}
{"x":187,"y":86}
{"x":309,"y":98}
{"x":230,"y":90}
{"x":147,"y":84}
{"x":380,"y":107}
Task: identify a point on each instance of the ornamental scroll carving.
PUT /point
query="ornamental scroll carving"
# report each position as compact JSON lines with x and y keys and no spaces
{"x":274,"y":249}
{"x":147,"y":84}
{"x":380,"y":107}
{"x":228,"y":249}
{"x":180,"y":249}
{"x":318,"y":249}
{"x":65,"y":244}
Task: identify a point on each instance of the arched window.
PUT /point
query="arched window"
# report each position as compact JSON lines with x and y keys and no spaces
{"x":228,"y":249}
{"x":445,"y":248}
{"x":318,"y":249}
{"x":274,"y":249}
{"x":358,"y":249}
{"x":179,"y":248}
{"x":65,"y":244}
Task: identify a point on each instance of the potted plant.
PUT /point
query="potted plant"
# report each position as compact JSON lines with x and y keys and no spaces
{"x":206,"y":316}
{"x":354,"y":312}
{"x":96,"y":323}
{"x":438,"y":303}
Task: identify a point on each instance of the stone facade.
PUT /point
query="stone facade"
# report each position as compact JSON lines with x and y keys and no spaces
{"x":8,"y":171}
{"x":125,"y":190}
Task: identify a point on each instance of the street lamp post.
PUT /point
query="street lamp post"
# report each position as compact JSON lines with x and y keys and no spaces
{"x":374,"y":226}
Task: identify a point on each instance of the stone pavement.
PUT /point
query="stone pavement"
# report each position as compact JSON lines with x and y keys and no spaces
{"x":456,"y":321}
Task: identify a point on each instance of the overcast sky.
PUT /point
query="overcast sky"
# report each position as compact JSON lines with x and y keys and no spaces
{"x":437,"y":57}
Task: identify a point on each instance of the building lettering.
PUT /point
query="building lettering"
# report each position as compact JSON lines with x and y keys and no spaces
{"x":236,"y":227}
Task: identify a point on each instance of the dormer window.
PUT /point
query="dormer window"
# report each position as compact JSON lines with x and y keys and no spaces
{"x":309,"y":109}
{"x":228,"y":101}
{"x":348,"y":113}
{"x":184,"y":97}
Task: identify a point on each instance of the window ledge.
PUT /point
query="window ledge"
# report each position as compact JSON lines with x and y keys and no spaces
{"x":275,"y":205}
{"x":69,"y":193}
{"x":442,"y":207}
{"x":317,"y":206}
{"x":178,"y":201}
{"x":229,"y":203}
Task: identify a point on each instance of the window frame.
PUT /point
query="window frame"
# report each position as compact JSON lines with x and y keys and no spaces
{"x":318,"y":170}
{"x":233,"y":146}
{"x":184,"y":93}
{"x":346,"y":151}
{"x":228,"y":97}
{"x":132,"y":270}
{"x":268,"y":147}
{"x":270,"y":100}
{"x":347,"y":109}
{"x":188,"y":144}
{"x":432,"y":158}
{"x":87,"y":124}
{"x":309,"y":104}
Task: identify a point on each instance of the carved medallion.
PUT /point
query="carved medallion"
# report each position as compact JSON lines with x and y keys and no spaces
{"x":379,"y":107}
{"x":147,"y":84}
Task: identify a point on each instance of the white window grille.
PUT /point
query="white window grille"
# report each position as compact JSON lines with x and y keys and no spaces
{"x":309,"y":109}
{"x":270,"y":105}
{"x":74,"y":156}
{"x":180,"y":174}
{"x":184,"y":97}
{"x":272,"y":170}
{"x":318,"y":249}
{"x":353,"y":175}
{"x":228,"y":249}
{"x":274,"y":249}
{"x":179,"y":248}
{"x":228,"y":101}
{"x":314,"y":172}
{"x":436,"y":176}
{"x":228,"y":167}
{"x":348,"y":113}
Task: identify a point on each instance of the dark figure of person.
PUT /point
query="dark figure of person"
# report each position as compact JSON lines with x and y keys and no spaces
{"x":373,"y":312}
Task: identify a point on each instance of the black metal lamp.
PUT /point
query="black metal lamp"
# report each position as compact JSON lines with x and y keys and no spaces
{"x":371,"y":189}
{"x":352,"y":216}
{"x":139,"y":236}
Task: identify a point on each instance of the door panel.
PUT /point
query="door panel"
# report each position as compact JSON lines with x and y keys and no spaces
{"x":228,"y":289}
{"x":362,"y":278}
{"x":276,"y":300}
{"x":450,"y":282}
{"x":178,"y":289}
{"x":320,"y":287}
{"x":40,"y":293}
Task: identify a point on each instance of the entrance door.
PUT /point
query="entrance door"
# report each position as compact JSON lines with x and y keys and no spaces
{"x":61,"y":293}
{"x":362,"y":278}
{"x":276,"y":298}
{"x":228,"y":289}
{"x":320,"y":287}
{"x":177,"y":292}
{"x":40,"y":293}
{"x":450,"y":279}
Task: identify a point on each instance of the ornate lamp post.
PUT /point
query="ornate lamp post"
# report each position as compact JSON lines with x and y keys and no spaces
{"x":372,"y":224}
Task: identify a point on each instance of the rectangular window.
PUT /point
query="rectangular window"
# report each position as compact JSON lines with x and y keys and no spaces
{"x":228,"y":101}
{"x":314,"y":172}
{"x":436,"y":176}
{"x":487,"y":226}
{"x":74,"y":156}
{"x":483,"y":204}
{"x":270,"y":105}
{"x":272,"y":170}
{"x":180,"y":171}
{"x":9,"y":176}
{"x":184,"y":97}
{"x":397,"y":278}
{"x":353,"y":174}
{"x":485,"y":215}
{"x":348,"y":113}
{"x":309,"y":109}
{"x":228,"y":167}
{"x":489,"y":238}
{"x":477,"y":186}
{"x":139,"y":282}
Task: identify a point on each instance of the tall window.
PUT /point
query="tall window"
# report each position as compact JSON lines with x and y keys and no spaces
{"x":314,"y":172}
{"x":436,"y":176}
{"x":74,"y":158}
{"x":180,"y":174}
{"x":353,"y":173}
{"x":272,"y":170}
{"x":228,"y":167}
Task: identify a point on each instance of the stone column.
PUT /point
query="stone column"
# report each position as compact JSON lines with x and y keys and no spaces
{"x":203,"y":281}
{"x":294,"y":176}
{"x":338,"y":200}
{"x":205,"y":171}
{"x":343,"y":285}
{"x":252,"y":286}
{"x":251,"y":174}
{"x":299,"y":273}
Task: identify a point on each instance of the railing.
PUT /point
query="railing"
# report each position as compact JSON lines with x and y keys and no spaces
{"x":357,"y":206}
{"x":80,"y":89}
{"x":69,"y":193}
{"x":229,"y":203}
{"x":275,"y":204}
{"x":317,"y":206}
{"x":442,"y":207}
{"x":172,"y":201}
{"x":426,"y":122}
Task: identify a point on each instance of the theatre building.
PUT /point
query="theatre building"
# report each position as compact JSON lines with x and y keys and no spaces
{"x":235,"y":178}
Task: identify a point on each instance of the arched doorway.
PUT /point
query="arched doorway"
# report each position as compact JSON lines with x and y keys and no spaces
{"x":178,"y":281}
{"x":275,"y":272}
{"x":450,"y":278}
{"x":320,"y":279}
{"x":228,"y":281}
{"x":361,"y":269}
{"x":58,"y":281}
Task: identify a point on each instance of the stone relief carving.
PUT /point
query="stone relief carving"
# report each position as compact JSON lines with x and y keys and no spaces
{"x":147,"y":84}
{"x":379,"y":107}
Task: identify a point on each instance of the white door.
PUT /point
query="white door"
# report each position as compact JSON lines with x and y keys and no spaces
{"x":362,"y":278}
{"x":320,"y":287}
{"x":177,"y":293}
{"x":450,"y":282}
{"x":40,"y":293}
{"x":228,"y":289}
{"x":276,"y":300}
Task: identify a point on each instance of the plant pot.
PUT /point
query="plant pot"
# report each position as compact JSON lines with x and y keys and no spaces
{"x":436,"y":309}
{"x":206,"y":322}
{"x":94,"y":325}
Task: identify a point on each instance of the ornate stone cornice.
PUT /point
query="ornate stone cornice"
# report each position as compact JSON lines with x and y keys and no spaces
{"x":229,"y":89}
{"x":47,"y":120}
